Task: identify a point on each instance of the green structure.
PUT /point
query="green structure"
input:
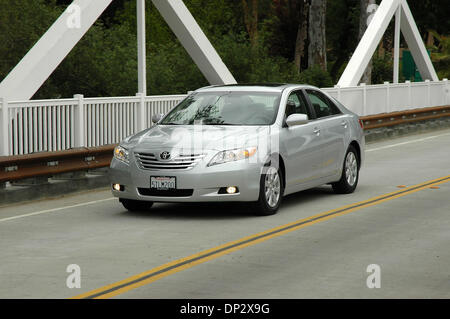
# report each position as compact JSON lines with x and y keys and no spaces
{"x":409,"y":68}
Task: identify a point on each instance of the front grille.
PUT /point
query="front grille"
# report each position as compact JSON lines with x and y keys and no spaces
{"x":166,"y":193}
{"x":181,"y":162}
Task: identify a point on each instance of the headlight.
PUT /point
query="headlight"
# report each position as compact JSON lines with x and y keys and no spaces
{"x":121,"y":154}
{"x":232,"y":155}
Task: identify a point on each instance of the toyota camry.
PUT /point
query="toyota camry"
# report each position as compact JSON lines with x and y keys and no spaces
{"x":253,"y":144}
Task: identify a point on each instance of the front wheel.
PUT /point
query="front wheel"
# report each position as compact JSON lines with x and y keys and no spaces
{"x":135,"y":205}
{"x":350,"y":173}
{"x":271,"y":191}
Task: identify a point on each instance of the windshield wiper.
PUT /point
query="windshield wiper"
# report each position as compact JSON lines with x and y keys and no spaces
{"x":171,"y":123}
{"x":229,"y":124}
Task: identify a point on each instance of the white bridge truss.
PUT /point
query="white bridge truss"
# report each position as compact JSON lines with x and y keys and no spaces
{"x":50,"y":125}
{"x":373,"y":35}
{"x":45,"y":56}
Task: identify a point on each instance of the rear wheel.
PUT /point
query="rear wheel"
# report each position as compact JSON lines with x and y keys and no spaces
{"x":350,"y":173}
{"x":271,"y":191}
{"x":135,"y":205}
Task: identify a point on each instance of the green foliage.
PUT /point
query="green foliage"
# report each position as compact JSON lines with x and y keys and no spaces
{"x":382,"y":69}
{"x":157,"y":30}
{"x":342,"y":33}
{"x":22,"y":23}
{"x":431,"y":15}
{"x":280,"y":28}
{"x":440,"y":55}
{"x":218,"y":17}
{"x":104,"y":62}
{"x":317,"y":77}
{"x":255,"y":64}
{"x":171,"y":70}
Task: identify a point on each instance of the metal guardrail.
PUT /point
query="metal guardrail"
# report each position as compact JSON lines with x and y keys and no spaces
{"x":32,"y":126}
{"x":19,"y":167}
{"x":13,"y":168}
{"x":410,"y":116}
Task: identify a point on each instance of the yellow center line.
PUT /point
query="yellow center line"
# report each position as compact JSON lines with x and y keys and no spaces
{"x":178,"y":265}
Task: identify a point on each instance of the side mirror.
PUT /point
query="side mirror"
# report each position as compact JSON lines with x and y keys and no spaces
{"x":157,"y":117}
{"x":297,"y":119}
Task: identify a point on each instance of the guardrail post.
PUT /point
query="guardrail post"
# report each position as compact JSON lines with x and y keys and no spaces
{"x":446,"y":92}
{"x":428,"y":92}
{"x":409,"y":93}
{"x":388,"y":97}
{"x":79,"y":121}
{"x":364,"y":88}
{"x":338,"y":87}
{"x":4,"y":142}
{"x":141,"y":112}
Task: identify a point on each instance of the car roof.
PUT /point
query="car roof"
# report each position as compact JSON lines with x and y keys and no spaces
{"x":253,"y":87}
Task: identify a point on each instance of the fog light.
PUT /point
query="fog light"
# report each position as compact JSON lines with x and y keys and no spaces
{"x":231,"y":189}
{"x":117,"y":187}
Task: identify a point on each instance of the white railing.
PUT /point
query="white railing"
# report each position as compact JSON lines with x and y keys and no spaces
{"x":385,"y":98}
{"x":52,"y":125}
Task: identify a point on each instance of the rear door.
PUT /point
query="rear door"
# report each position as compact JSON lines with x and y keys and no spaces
{"x":333,"y":125}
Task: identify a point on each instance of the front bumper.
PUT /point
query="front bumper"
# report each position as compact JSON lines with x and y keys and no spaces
{"x":203,"y":180}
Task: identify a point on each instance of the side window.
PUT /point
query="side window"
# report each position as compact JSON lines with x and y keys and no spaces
{"x":321,"y":104}
{"x":300,"y":107}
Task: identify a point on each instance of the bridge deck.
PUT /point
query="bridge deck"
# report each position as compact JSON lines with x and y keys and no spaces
{"x":406,"y":236}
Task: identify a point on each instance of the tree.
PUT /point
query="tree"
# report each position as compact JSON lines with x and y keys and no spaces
{"x":317,"y":50}
{"x":251,"y":20}
{"x":363,"y":20}
{"x":22,"y":23}
{"x":280,"y":27}
{"x":302,"y":33}
{"x":431,"y":15}
{"x":258,"y":40}
{"x":440,"y":54}
{"x":342,"y":33}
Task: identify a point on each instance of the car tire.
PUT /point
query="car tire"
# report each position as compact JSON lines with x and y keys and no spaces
{"x":135,"y":205}
{"x":350,"y":173}
{"x":271,"y":190}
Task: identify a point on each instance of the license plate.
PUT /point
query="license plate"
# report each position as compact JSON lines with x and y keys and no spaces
{"x":163,"y":182}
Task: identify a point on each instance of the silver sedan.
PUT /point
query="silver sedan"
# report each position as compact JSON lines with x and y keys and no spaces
{"x":241,"y":143}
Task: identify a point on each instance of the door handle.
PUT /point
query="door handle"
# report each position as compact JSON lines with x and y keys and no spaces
{"x":344,"y":124}
{"x":316,"y":131}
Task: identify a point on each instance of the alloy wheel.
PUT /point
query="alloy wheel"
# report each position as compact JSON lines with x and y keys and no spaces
{"x":351,"y":168}
{"x":272,"y":187}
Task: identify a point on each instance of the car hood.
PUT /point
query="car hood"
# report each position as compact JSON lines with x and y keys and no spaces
{"x":207,"y":137}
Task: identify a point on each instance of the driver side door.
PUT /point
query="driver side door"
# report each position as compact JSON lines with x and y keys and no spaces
{"x":302,"y":144}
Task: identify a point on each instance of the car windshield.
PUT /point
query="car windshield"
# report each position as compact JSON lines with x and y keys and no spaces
{"x":225,"y":108}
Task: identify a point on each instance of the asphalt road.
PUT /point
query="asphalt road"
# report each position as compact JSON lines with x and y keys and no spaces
{"x":407,"y":234}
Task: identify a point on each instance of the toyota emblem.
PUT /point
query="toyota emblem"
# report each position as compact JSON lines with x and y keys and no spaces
{"x":164,"y":155}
